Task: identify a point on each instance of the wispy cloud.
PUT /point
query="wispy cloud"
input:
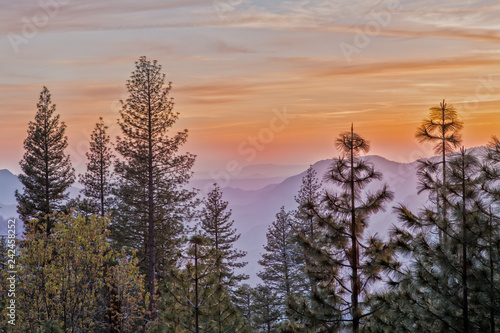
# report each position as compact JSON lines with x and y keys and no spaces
{"x":230,"y":73}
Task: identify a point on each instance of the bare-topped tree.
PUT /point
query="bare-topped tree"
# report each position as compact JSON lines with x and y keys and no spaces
{"x":442,"y":128}
{"x":345,"y":261}
{"x":354,"y":175}
{"x":352,"y":144}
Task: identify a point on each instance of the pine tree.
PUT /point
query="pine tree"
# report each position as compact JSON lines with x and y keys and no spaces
{"x":308,"y":201}
{"x":47,"y":171}
{"x":280,"y":272}
{"x":244,"y":301}
{"x":442,"y":128}
{"x":445,"y":286}
{"x":267,"y":305}
{"x":97,"y":181}
{"x":305,"y":230}
{"x":347,"y":262}
{"x":307,"y":235}
{"x":463,"y":174}
{"x":196,"y":289}
{"x":217,"y":226}
{"x":152,"y":202}
{"x":491,"y":241}
{"x":194,"y":286}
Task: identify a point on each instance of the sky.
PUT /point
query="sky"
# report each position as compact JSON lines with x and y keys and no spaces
{"x":255,"y":81}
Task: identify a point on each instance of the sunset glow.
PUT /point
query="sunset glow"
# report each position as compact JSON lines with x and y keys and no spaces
{"x":235,"y":65}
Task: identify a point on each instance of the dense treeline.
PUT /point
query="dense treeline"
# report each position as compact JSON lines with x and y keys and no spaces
{"x":139,"y":252}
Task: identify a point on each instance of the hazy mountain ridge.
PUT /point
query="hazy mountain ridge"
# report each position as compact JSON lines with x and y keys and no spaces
{"x":253,"y":219}
{"x":255,"y":209}
{"x":9,"y":183}
{"x":250,"y":177}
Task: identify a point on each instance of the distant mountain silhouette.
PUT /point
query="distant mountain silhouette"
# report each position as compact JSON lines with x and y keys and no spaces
{"x":9,"y":183}
{"x":255,"y":201}
{"x":250,"y":177}
{"x":253,"y":215}
{"x":254,"y":210}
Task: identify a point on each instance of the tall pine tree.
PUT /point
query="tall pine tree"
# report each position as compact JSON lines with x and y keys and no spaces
{"x":442,"y":128}
{"x":192,"y":287}
{"x":280,"y":271}
{"x":47,"y":171}
{"x":152,"y":202}
{"x":97,"y":181}
{"x":446,"y":286}
{"x":306,"y":231}
{"x":348,"y":261}
{"x":308,"y":201}
{"x":217,"y":226}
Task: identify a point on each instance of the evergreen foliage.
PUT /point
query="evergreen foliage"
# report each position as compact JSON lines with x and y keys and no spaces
{"x":197,"y":302}
{"x":308,"y":200}
{"x":152,"y":203}
{"x":345,"y":263}
{"x":218,"y":228}
{"x":268,"y":309}
{"x":452,"y":285}
{"x":97,"y":180}
{"x":47,"y":172}
{"x":321,"y":271}
{"x":280,"y":271}
{"x":442,"y":128}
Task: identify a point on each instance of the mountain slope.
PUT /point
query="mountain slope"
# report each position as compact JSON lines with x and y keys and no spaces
{"x":9,"y":183}
{"x":254,"y":209}
{"x":253,"y":218}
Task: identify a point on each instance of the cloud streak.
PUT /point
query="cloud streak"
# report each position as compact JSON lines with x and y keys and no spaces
{"x":228,"y":75}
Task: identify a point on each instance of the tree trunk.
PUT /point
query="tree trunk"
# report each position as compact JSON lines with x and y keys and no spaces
{"x":101,"y":170}
{"x":465,"y":305}
{"x":196,"y":315}
{"x":151,"y":221}
{"x":445,"y":221}
{"x":268,"y":318}
{"x":492,"y":291}
{"x":47,"y":187}
{"x":219,"y":277}
{"x":354,"y":249}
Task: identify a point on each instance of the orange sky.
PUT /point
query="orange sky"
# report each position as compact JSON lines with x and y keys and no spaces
{"x":235,"y":63}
